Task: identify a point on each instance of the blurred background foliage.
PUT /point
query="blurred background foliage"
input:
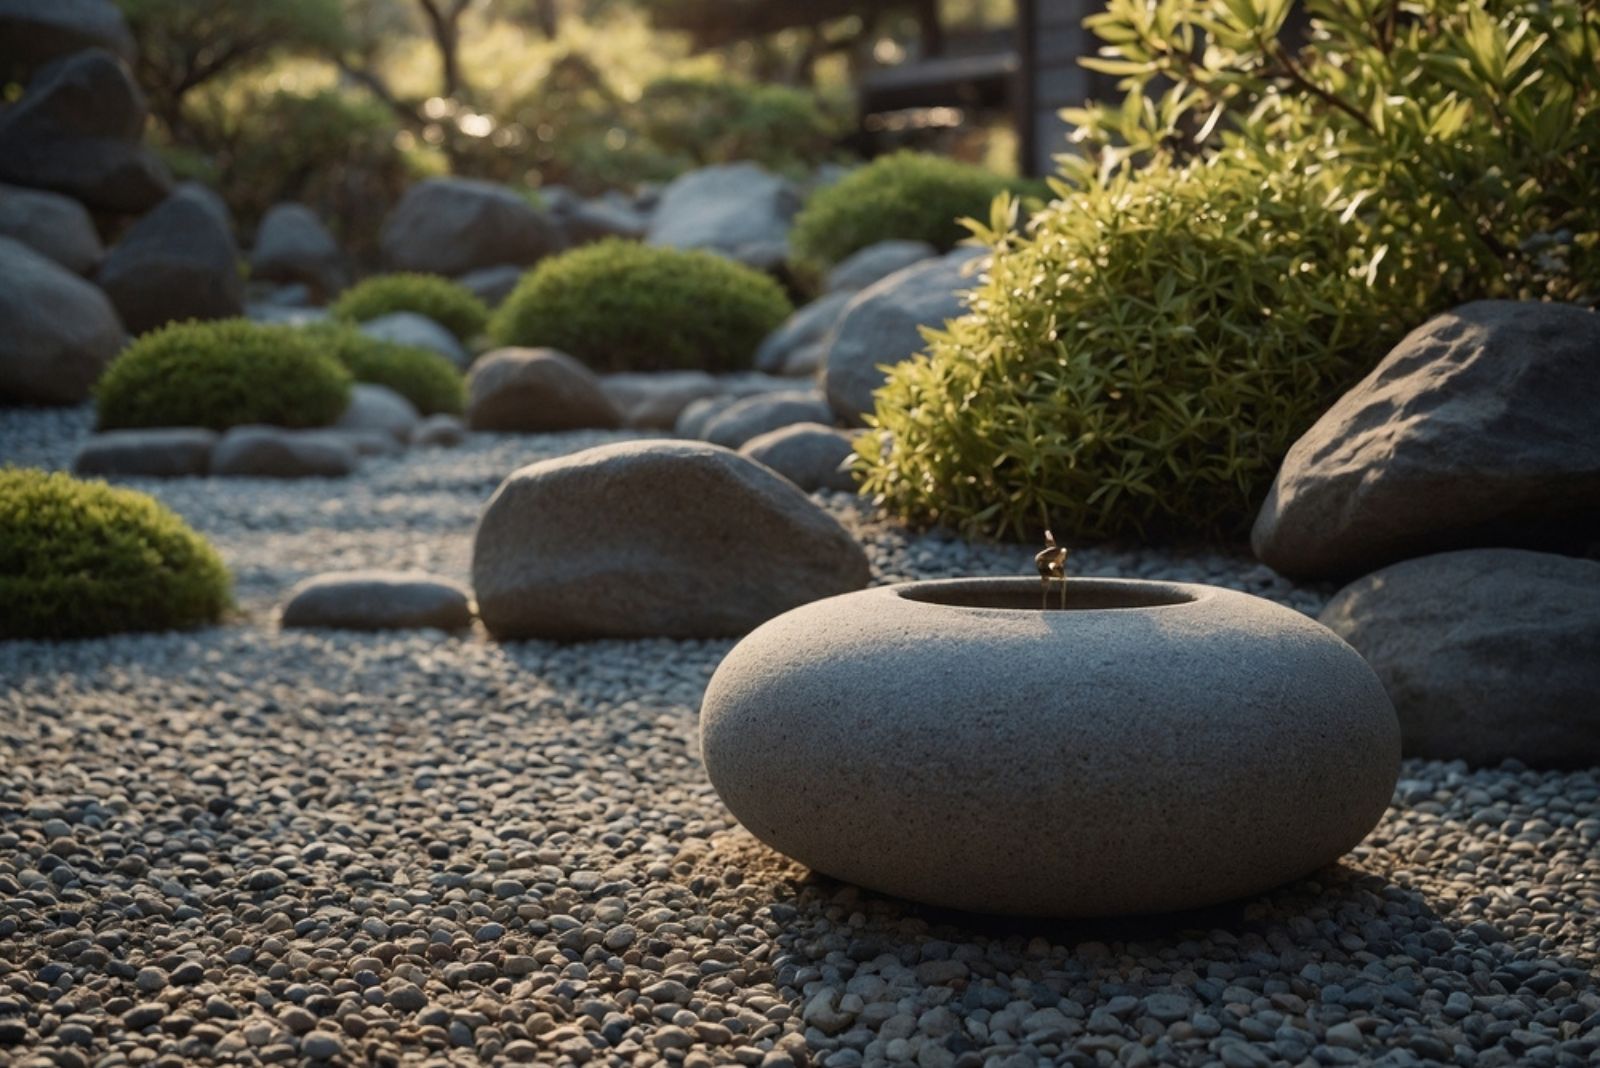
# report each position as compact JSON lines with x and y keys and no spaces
{"x":340,"y":103}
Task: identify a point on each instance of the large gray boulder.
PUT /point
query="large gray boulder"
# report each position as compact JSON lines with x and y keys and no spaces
{"x":807,"y":327}
{"x":53,"y":225}
{"x":57,"y":332}
{"x":292,"y":245}
{"x":77,"y":130}
{"x":273,"y":452}
{"x":874,"y":263}
{"x":36,"y":32}
{"x":751,"y":417}
{"x":178,"y":262}
{"x":1478,"y":429}
{"x":536,"y":391}
{"x":1486,"y":653}
{"x":653,"y":538}
{"x":378,"y":600}
{"x":451,"y":226}
{"x":811,"y":455}
{"x":883,"y":326}
{"x":737,"y":209}
{"x":164,"y":452}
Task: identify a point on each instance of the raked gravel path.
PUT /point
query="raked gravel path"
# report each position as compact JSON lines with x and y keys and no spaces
{"x":247,"y":846}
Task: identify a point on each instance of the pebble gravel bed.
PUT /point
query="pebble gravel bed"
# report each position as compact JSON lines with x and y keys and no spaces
{"x":249,"y":846}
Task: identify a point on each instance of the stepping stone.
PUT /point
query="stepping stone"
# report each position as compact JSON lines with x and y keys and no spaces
{"x":378,"y":600}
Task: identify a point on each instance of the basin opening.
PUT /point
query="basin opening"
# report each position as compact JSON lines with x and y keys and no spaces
{"x":1024,"y":595}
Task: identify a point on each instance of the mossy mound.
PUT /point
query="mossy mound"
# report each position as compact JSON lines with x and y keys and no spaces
{"x":429,"y":381}
{"x":447,"y":303}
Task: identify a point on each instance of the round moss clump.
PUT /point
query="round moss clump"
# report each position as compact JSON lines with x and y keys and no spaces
{"x":1138,"y":363}
{"x":79,"y":559}
{"x":429,"y":381}
{"x":906,"y":196}
{"x":621,"y":306}
{"x":447,"y":303}
{"x":220,"y":375}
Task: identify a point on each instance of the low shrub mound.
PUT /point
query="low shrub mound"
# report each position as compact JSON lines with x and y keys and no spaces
{"x":447,"y":303}
{"x":621,"y":306}
{"x":79,"y":559}
{"x":426,"y":379}
{"x":219,"y":375}
{"x":1139,"y":363}
{"x":906,"y":195}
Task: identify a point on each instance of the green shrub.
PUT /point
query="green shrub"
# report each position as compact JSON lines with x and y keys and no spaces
{"x":79,"y":559}
{"x":426,"y":379}
{"x":219,"y":375}
{"x":702,"y":120}
{"x":904,"y":195}
{"x":447,"y":303}
{"x":1138,"y":363}
{"x":1465,"y":133}
{"x":622,"y":306}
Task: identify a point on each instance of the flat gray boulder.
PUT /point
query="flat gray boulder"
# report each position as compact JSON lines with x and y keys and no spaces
{"x":419,"y":332}
{"x":874,"y":263}
{"x":167,"y":452}
{"x":751,"y":417}
{"x":1478,"y":429}
{"x":77,"y":130}
{"x":292,"y":245}
{"x":451,"y":226}
{"x":806,"y":327}
{"x":653,"y":539}
{"x":57,"y":332}
{"x":1486,"y":653}
{"x":36,"y":32}
{"x":811,"y":455}
{"x":738,"y":209}
{"x":273,"y":452}
{"x":379,"y":409}
{"x":179,"y":262}
{"x":55,"y":226}
{"x":883,"y":326}
{"x":378,"y":600}
{"x":536,"y":391}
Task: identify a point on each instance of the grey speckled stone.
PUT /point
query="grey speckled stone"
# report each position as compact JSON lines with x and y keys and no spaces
{"x":378,"y":600}
{"x":536,"y":391}
{"x":1163,"y":746}
{"x":653,"y":538}
{"x":1486,"y":653}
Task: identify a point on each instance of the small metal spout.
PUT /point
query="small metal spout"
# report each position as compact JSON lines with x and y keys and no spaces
{"x":1052,"y":564}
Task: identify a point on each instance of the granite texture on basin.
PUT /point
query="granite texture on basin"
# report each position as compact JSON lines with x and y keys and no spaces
{"x":1152,"y":747}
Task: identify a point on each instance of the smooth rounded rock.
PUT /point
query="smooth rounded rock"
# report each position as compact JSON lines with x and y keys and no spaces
{"x":876,"y":262}
{"x":57,"y":331}
{"x":292,"y":245}
{"x":751,"y":417}
{"x":1488,"y":654}
{"x":536,"y":391}
{"x":272,"y":452}
{"x":55,"y":226}
{"x":419,"y":332}
{"x":1156,"y":746}
{"x":452,"y":226}
{"x":811,"y":455}
{"x":379,"y":408}
{"x":166,"y":452}
{"x":378,"y":600}
{"x":653,"y":539}
{"x":179,"y":262}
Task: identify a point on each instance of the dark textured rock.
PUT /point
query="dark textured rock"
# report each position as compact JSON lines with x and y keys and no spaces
{"x":883,"y":326}
{"x":77,"y":131}
{"x":451,"y":226}
{"x":160,"y":453}
{"x":536,"y":390}
{"x":55,"y":226}
{"x":272,"y":452}
{"x":811,"y":455}
{"x":1486,"y":653}
{"x":36,"y":32}
{"x":292,"y":245}
{"x":653,"y":538}
{"x":378,"y":600}
{"x":179,"y":262}
{"x":57,"y":332}
{"x":1478,"y":429}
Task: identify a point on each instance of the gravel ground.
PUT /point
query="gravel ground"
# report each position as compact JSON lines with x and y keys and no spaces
{"x":243,"y":845}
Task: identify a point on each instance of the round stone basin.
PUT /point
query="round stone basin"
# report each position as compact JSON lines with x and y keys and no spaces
{"x":1152,"y":746}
